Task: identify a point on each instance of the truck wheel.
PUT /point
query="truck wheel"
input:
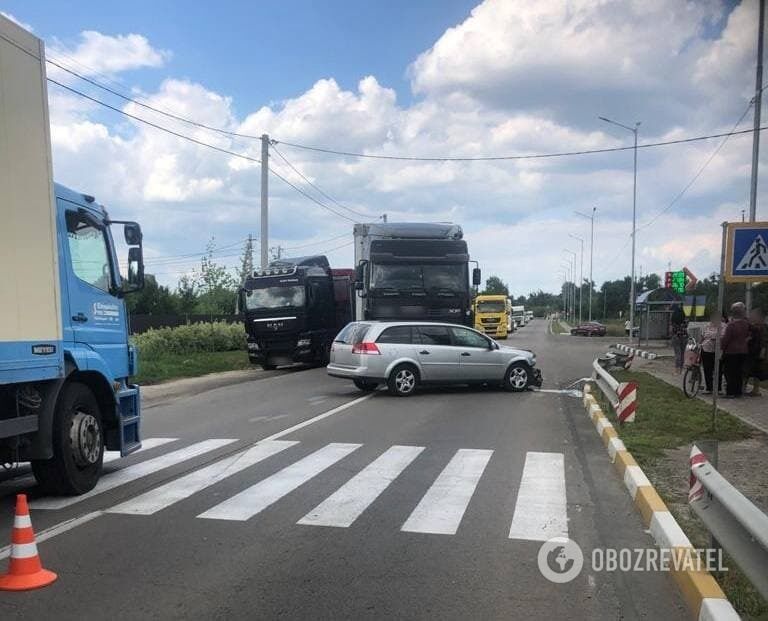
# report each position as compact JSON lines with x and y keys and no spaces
{"x":324,"y":356}
{"x":77,"y":442}
{"x":365,"y":385}
{"x":403,"y":380}
{"x":518,"y":377}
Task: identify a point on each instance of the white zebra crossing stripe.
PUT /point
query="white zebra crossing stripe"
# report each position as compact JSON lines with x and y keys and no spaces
{"x":109,"y":456}
{"x":258,"y":497}
{"x":179,"y":489}
{"x":348,"y":503}
{"x":540,"y":510}
{"x":441,"y":509}
{"x":114,"y":479}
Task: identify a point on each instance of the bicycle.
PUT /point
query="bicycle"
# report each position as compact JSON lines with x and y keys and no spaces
{"x":693,"y":373}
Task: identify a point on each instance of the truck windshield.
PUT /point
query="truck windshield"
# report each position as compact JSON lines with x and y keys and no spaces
{"x":402,"y":277}
{"x":491,"y":307}
{"x":274,"y":297}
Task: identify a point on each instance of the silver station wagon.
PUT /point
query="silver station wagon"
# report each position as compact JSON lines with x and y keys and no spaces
{"x":404,"y":355}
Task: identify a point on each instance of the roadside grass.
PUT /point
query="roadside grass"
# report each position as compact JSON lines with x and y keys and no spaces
{"x":667,"y":420}
{"x":165,"y":367}
{"x":557,"y":327}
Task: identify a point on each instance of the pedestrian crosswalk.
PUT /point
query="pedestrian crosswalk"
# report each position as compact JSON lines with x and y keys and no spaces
{"x":439,"y":506}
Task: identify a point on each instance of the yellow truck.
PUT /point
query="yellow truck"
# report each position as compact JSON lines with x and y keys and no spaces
{"x":492,"y":315}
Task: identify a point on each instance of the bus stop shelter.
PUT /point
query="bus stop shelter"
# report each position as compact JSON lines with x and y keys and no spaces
{"x":654,"y":310}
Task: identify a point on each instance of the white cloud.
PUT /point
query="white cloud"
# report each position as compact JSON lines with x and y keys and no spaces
{"x":97,"y":53}
{"x":514,"y":78}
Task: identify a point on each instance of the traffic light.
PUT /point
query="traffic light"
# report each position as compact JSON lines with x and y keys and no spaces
{"x":667,"y":280}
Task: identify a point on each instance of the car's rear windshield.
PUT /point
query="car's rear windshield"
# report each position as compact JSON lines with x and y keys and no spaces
{"x":353,"y":333}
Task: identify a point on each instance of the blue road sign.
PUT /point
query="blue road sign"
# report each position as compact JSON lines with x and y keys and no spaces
{"x":746,"y":252}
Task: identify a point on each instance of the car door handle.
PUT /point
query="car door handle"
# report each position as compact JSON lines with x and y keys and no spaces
{"x":464,"y":353}
{"x":424,"y":352}
{"x":79,"y":317}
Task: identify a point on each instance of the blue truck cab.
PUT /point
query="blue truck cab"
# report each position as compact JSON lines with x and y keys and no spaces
{"x":65,"y":358}
{"x":63,"y":402}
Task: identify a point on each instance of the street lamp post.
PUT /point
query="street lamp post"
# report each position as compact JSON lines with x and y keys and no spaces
{"x":634,"y":225}
{"x":567,"y":289}
{"x":591,"y":219}
{"x":581,"y":272}
{"x":573,"y":274}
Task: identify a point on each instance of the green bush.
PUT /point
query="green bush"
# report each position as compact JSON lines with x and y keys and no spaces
{"x":190,"y":339}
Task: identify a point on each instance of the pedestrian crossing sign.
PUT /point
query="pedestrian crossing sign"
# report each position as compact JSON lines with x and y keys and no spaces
{"x":746,"y":252}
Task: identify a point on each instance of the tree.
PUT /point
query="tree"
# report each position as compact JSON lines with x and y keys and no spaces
{"x":154,"y":299}
{"x":186,"y":294}
{"x":246,"y":261}
{"x":215,"y":284}
{"x":495,"y":286}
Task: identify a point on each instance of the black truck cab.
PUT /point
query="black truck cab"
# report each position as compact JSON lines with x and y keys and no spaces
{"x":290,"y":312}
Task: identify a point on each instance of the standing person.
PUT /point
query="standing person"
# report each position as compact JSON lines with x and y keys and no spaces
{"x":679,"y":337}
{"x":757,"y":356}
{"x":735,"y":347}
{"x":708,"y":337}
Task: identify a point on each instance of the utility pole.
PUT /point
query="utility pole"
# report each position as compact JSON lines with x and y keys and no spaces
{"x":581,"y":272}
{"x":758,"y":100}
{"x":634,"y":226}
{"x":591,"y":251}
{"x":264,"y":201}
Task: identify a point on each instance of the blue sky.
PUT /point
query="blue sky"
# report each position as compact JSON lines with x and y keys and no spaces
{"x":262,"y":51}
{"x":450,"y":78}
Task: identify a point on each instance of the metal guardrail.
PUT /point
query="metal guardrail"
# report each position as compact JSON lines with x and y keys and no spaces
{"x":737,"y":524}
{"x":605,"y":381}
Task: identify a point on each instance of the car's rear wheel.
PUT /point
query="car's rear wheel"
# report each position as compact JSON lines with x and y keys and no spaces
{"x":518,"y":377}
{"x":365,"y":385}
{"x":403,"y":380}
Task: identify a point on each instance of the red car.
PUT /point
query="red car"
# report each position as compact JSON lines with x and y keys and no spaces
{"x":591,"y":328}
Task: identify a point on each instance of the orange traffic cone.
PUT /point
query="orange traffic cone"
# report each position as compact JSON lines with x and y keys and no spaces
{"x":24,"y":571}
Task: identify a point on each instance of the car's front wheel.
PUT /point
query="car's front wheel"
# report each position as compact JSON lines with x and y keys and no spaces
{"x":403,"y":380}
{"x":518,"y":377}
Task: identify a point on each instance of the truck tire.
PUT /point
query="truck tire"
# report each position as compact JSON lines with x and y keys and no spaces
{"x":77,"y":442}
{"x":403,"y":380}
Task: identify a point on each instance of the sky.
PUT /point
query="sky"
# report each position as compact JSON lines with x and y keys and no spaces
{"x":442,"y":78}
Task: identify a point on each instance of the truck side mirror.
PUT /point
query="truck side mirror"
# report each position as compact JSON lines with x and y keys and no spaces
{"x":135,"y":269}
{"x":132,"y":233}
{"x":477,"y":277}
{"x":360,"y":276}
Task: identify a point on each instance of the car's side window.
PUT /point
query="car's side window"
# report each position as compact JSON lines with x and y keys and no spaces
{"x":396,"y":334}
{"x":434,"y":335}
{"x":466,"y":338}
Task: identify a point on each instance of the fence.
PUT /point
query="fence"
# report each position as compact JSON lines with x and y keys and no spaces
{"x":141,"y":323}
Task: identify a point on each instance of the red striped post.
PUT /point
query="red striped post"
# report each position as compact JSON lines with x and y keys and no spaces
{"x":695,"y":488}
{"x":627,"y":394}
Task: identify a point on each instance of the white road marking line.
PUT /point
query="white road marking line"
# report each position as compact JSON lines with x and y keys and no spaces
{"x":55,"y":530}
{"x":179,"y":489}
{"x":27,"y":480}
{"x":540,"y":510}
{"x":441,"y":509}
{"x":319,"y":417}
{"x":349,"y":501}
{"x":258,"y":497}
{"x":114,"y":479}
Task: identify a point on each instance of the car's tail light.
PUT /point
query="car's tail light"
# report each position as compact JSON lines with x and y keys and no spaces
{"x":365,"y":348}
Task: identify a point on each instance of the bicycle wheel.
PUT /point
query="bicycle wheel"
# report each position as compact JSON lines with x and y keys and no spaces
{"x":692,"y":381}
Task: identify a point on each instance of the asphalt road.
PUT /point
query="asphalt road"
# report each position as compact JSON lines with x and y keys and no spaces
{"x":433,"y":506}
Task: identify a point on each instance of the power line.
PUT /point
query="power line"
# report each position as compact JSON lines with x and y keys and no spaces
{"x":682,"y":192}
{"x":199,"y":253}
{"x":317,"y":243}
{"x":537,"y":156}
{"x":160,"y":127}
{"x":314,"y":185}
